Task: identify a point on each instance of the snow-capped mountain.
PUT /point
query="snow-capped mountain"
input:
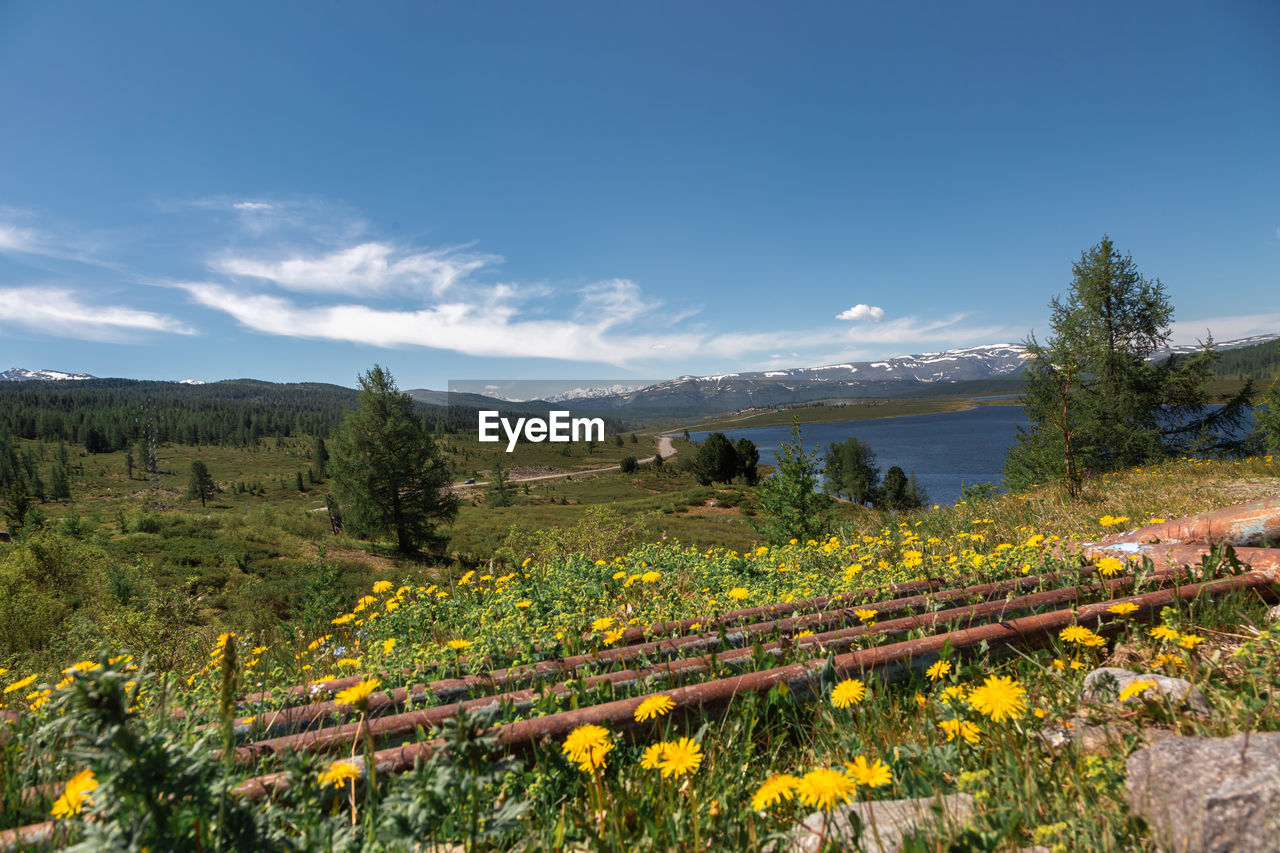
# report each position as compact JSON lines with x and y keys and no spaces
{"x":21,"y":374}
{"x":886,"y":377}
{"x":729,"y":391}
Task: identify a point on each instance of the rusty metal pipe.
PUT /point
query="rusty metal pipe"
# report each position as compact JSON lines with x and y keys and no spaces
{"x":642,"y":632}
{"x":401,"y":725}
{"x":892,"y":662}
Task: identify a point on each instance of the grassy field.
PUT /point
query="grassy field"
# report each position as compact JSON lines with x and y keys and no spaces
{"x":729,"y":780}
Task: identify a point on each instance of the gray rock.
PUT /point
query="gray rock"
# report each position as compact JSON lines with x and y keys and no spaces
{"x":1274,"y":613}
{"x":1106,"y":683}
{"x":893,"y":820}
{"x":1209,"y":795}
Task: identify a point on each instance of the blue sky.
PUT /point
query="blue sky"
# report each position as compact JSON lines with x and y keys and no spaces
{"x":295,"y":191}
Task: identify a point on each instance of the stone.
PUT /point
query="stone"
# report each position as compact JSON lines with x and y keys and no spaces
{"x":1098,"y":687}
{"x":1209,"y":795}
{"x":894,"y":820}
{"x":1273,"y":614}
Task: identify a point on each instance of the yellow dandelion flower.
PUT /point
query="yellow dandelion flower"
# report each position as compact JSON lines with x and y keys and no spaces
{"x":654,"y":706}
{"x":383,"y":586}
{"x":999,"y":697}
{"x":1124,"y":608}
{"x":938,"y":670}
{"x":1190,"y":641}
{"x":21,"y":683}
{"x":650,"y":577}
{"x":587,"y":745}
{"x":338,"y":772}
{"x":1164,"y":632}
{"x":75,"y":795}
{"x":1110,"y":566}
{"x":960,"y":728}
{"x":869,"y":774}
{"x":921,"y":700}
{"x":738,"y":593}
{"x":388,"y":644}
{"x":680,"y":757}
{"x":848,"y":693}
{"x":602,"y":624}
{"x":1165,"y":659}
{"x":458,"y":645}
{"x":775,"y":789}
{"x":1080,"y":635}
{"x":954,"y":693}
{"x":865,"y":614}
{"x":524,"y":604}
{"x":611,"y":637}
{"x":825,"y":788}
{"x":357,"y":695}
{"x":652,"y":755}
{"x":1112,"y":520}
{"x":1136,"y":688}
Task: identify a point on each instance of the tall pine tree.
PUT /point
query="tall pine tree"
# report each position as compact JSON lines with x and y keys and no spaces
{"x":1097,"y":396}
{"x":389,"y":476}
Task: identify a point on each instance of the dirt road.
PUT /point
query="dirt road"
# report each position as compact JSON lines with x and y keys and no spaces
{"x":665,"y":448}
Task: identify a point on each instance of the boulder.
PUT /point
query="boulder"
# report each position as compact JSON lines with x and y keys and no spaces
{"x":893,"y":821}
{"x":1107,"y":682}
{"x":1209,"y":795}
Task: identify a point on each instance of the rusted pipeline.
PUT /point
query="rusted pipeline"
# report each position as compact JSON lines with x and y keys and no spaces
{"x":641,"y":632}
{"x":891,"y":662}
{"x":447,"y":689}
{"x":450,"y":689}
{"x":1256,"y":524}
{"x":1189,"y":554}
{"x":402,"y":725}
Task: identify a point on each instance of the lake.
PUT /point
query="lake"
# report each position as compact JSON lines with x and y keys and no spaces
{"x":945,"y":450}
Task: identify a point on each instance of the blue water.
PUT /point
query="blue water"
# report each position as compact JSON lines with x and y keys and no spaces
{"x":944,"y":450}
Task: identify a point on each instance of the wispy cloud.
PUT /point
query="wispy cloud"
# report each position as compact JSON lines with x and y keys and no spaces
{"x":64,"y":313}
{"x":1226,"y":328}
{"x":483,"y":329}
{"x":16,"y":239}
{"x":862,"y":311}
{"x":368,"y":269}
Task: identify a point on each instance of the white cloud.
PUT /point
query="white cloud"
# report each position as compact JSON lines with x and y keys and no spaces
{"x":15,"y":239}
{"x":62,"y":313}
{"x":862,"y":311}
{"x":253,"y":206}
{"x":370,"y":268}
{"x":1225,"y":328}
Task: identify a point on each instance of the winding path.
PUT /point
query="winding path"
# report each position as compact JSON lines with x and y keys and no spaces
{"x":665,"y":448}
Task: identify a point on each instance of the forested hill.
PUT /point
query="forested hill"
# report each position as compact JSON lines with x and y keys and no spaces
{"x":1260,"y":361}
{"x":106,"y":415}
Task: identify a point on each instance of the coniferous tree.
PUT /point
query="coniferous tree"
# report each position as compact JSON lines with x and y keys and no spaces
{"x":387,"y":471}
{"x":200,"y":484}
{"x":748,"y":460}
{"x":792,"y":507}
{"x":59,"y":483}
{"x":1096,"y":396}
{"x":851,"y":470}
{"x":1266,"y":417}
{"x":320,"y":458}
{"x":717,"y":460}
{"x":128,"y":463}
{"x":499,"y":492}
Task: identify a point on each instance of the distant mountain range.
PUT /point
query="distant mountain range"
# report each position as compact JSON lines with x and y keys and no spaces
{"x":983,"y":369}
{"x":21,"y":374}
